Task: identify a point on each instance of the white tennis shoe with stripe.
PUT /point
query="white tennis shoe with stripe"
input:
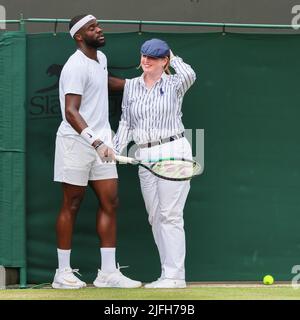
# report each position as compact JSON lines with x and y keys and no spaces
{"x":65,"y":279}
{"x":115,"y":280}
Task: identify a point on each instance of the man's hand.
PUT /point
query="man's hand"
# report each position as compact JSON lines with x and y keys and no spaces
{"x":105,"y":153}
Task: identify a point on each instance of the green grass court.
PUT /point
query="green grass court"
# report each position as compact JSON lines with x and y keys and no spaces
{"x":192,"y":292}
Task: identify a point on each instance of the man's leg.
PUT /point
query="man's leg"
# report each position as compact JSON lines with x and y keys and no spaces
{"x":106,"y":224}
{"x":109,"y":276}
{"x":64,"y":277}
{"x":107,"y":194}
{"x":72,"y":197}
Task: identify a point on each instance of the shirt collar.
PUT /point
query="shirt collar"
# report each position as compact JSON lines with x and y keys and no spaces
{"x":163,"y":77}
{"x":86,"y":57}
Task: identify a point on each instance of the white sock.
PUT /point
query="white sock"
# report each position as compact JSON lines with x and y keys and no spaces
{"x":63,"y":258}
{"x":108,"y":259}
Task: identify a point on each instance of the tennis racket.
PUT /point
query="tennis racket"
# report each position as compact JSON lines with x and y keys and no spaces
{"x":174,"y":169}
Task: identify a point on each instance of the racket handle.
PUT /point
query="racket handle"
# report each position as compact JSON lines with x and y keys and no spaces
{"x":123,"y":159}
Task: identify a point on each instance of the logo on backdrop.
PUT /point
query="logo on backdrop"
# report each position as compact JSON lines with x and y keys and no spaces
{"x":53,"y":70}
{"x":296,"y":18}
{"x":45,"y":102}
{"x":2,"y":17}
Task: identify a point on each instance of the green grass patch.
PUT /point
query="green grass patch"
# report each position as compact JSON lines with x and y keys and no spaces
{"x":190,"y":293}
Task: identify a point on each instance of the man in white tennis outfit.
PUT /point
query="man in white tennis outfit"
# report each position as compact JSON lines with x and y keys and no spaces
{"x":83,"y":154}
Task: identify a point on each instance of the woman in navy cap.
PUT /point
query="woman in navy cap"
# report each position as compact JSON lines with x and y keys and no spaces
{"x":151,"y":116}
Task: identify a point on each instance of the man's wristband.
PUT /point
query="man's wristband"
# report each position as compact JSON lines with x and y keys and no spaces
{"x":88,"y":135}
{"x":98,"y":144}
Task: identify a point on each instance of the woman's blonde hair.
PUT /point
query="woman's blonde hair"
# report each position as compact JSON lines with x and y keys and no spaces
{"x":167,"y":66}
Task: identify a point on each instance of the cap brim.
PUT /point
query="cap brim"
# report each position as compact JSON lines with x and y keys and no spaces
{"x":152,"y":56}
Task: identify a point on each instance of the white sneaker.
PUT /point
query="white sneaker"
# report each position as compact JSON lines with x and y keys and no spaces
{"x":166,"y":283}
{"x":114,"y":280}
{"x":65,"y":279}
{"x":152,"y":284}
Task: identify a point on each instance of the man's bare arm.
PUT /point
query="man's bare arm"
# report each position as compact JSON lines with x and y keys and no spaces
{"x":115,"y":84}
{"x":72,"y":105}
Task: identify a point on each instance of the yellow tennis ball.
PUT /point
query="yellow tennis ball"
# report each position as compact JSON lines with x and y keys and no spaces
{"x":268,"y":279}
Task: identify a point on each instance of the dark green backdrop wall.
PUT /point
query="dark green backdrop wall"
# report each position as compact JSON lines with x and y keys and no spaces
{"x":242,"y":214}
{"x":12,"y":149}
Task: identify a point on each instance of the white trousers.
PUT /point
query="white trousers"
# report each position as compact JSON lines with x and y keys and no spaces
{"x":165,"y":201}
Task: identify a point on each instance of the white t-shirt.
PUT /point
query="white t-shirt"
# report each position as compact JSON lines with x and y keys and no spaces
{"x":88,"y":78}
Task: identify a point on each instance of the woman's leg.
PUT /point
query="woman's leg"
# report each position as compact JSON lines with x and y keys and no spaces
{"x":150,"y":194}
{"x":172,"y":198}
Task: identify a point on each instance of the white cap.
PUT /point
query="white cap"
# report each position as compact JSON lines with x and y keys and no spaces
{"x":79,"y":24}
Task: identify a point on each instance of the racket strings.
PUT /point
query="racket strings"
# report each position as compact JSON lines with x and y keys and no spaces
{"x":177,"y":169}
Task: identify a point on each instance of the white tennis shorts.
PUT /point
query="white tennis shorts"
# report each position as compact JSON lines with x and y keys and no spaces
{"x":76,"y":163}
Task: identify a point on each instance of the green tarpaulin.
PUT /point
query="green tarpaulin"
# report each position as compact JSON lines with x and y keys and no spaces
{"x":12,"y":149}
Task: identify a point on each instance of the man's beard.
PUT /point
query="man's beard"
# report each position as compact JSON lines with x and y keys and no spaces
{"x":94,"y":43}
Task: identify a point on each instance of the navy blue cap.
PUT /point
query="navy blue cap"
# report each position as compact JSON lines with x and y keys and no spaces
{"x":155,"y":48}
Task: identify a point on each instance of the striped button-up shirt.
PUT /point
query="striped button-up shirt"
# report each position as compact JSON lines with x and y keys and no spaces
{"x":149,"y":115}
